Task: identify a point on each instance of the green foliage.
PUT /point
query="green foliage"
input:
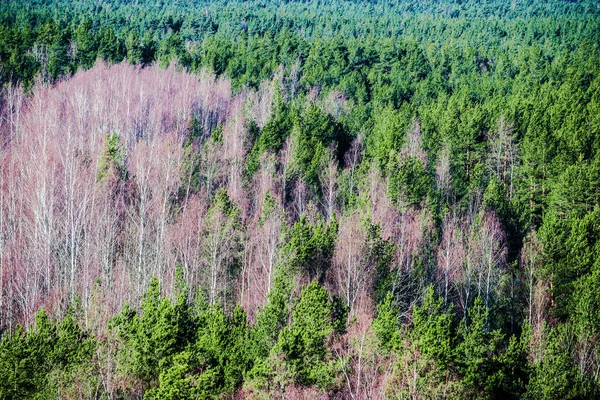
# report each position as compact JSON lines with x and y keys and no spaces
{"x":112,"y":159}
{"x":273,"y":317}
{"x":150,"y":337}
{"x":48,"y":359}
{"x":409,"y":181}
{"x":182,"y":309}
{"x":385,"y":324}
{"x":273,"y":134}
{"x":86,"y":45}
{"x":572,"y":247}
{"x":212,"y":363}
{"x":432,"y":329}
{"x":576,"y":190}
{"x":382,"y":253}
{"x":223,"y":245}
{"x":478,"y":353}
{"x":555,"y":376}
{"x":27,"y":359}
{"x":177,"y":353}
{"x":315,"y":132}
{"x":177,"y":382}
{"x":339,"y":315}
{"x":303,"y":343}
{"x":311,"y":247}
{"x":216,"y":135}
{"x":516,"y":368}
{"x":388,"y":135}
{"x":172,"y":48}
{"x":110,"y":47}
{"x":340,"y":69}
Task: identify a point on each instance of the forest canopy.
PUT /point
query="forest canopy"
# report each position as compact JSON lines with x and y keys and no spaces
{"x":258,"y":199}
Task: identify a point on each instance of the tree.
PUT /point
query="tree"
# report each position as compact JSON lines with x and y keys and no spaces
{"x":388,"y":135}
{"x":172,"y":48}
{"x":25,"y":359}
{"x":432,"y":329}
{"x":355,"y":261}
{"x":272,"y":317}
{"x":155,"y":167}
{"x":442,"y":174}
{"x":531,"y":258}
{"x":275,"y":131}
{"x":109,"y":46}
{"x":112,"y":159}
{"x":149,"y":338}
{"x":503,"y":153}
{"x":303,"y":343}
{"x":52,"y":358}
{"x":450,"y":255}
{"x":409,"y":181}
{"x":426,"y":354}
{"x":385,"y":324}
{"x":478,"y":353}
{"x":352,"y":159}
{"x":211,"y":365}
{"x":132,"y":47}
{"x":328,"y":178}
{"x":314,"y":132}
{"x":86,"y":44}
{"x":311,"y":247}
{"x":221,"y":246}
{"x":516,"y":364}
{"x":234,"y":154}
{"x":555,"y":375}
{"x":493,"y":257}
{"x":264,"y":253}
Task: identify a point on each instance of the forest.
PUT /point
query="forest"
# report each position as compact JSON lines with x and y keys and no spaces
{"x":256,"y":199}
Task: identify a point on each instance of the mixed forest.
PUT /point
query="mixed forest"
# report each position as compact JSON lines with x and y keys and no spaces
{"x":346,"y":199}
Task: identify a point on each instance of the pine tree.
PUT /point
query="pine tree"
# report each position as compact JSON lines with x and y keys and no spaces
{"x":303,"y":343}
{"x":478,"y":353}
{"x":273,"y":317}
{"x":432,"y":329}
{"x":385,"y":324}
{"x":555,"y":376}
{"x":86,"y":44}
{"x":150,"y":338}
{"x":110,"y":46}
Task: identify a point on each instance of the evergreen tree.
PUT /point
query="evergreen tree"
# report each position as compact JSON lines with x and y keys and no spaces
{"x":86,"y":44}
{"x":109,"y":46}
{"x":385,"y":324}
{"x":303,"y":343}
{"x":478,"y":353}
{"x":150,"y":338}
{"x":432,"y":329}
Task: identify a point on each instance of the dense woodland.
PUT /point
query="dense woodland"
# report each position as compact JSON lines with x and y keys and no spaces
{"x":288,"y":199}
